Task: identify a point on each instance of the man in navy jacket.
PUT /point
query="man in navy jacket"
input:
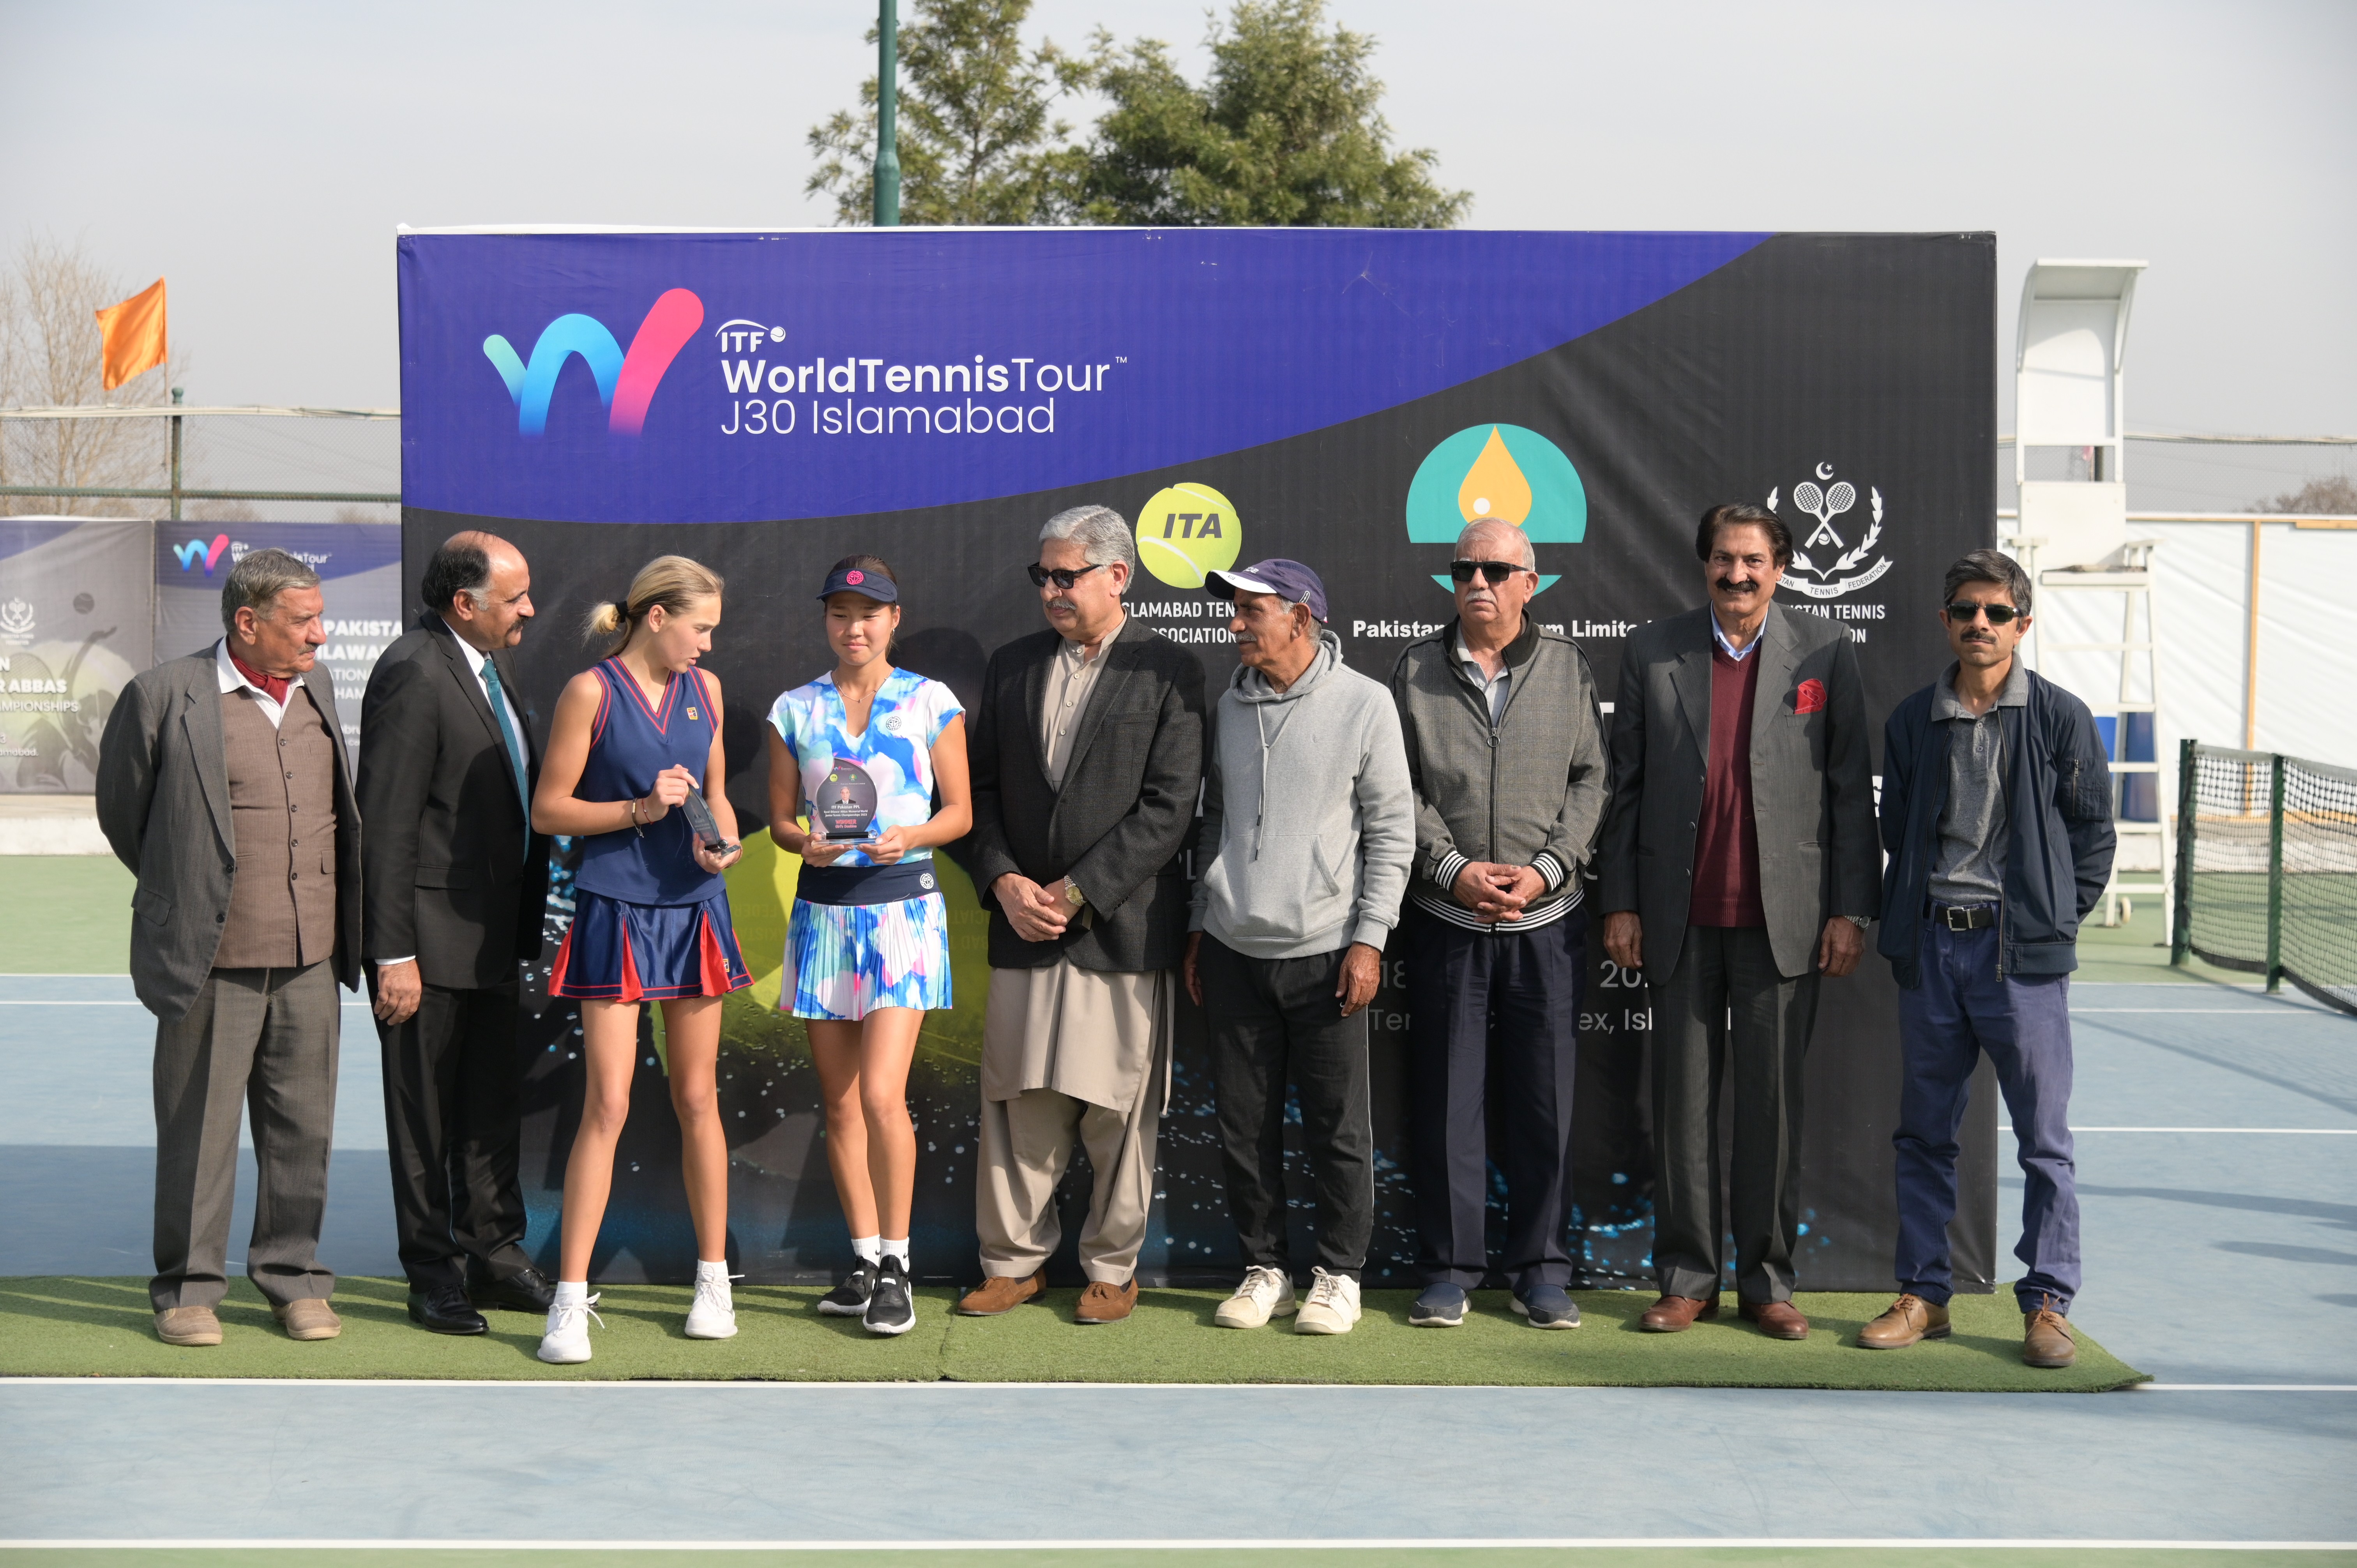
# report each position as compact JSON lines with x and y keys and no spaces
{"x":1996,"y":812}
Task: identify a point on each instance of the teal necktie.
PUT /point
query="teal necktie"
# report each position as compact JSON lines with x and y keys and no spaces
{"x":515,"y":746}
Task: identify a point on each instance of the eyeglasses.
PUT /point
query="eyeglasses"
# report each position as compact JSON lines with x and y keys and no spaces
{"x":1042,"y":576}
{"x":1492,"y":572}
{"x":1963,"y":610}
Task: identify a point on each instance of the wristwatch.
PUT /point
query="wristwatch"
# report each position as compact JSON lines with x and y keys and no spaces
{"x":1072,"y":894}
{"x":1862,"y":922}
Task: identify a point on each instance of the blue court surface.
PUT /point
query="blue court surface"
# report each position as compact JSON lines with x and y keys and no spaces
{"x":2218,"y":1164}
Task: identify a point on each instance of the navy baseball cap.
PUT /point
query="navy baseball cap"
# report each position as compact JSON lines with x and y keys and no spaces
{"x":1288,"y":580}
{"x":852,"y":580}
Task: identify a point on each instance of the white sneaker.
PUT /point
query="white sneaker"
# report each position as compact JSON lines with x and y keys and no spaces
{"x":1265,"y":1294}
{"x":567,"y":1339}
{"x":1332,"y":1307}
{"x":713,"y":1315}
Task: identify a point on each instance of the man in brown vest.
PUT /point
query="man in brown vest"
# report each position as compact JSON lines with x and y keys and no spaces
{"x":223,"y":783}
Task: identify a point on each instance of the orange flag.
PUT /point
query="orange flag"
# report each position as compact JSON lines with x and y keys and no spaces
{"x":134,"y":333}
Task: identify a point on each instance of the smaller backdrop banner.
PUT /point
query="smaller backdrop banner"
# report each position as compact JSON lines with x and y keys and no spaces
{"x":360,"y":576}
{"x":74,"y":629}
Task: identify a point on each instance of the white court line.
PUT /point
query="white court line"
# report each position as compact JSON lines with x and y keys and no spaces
{"x":2271,"y":1131}
{"x":943,"y":1385}
{"x":1099,"y":1544}
{"x":2288,"y":1011}
{"x":62,"y":1002}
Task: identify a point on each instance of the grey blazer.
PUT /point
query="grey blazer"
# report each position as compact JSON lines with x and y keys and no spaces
{"x":163,"y":803}
{"x":1811,"y":789}
{"x":1125,"y":812}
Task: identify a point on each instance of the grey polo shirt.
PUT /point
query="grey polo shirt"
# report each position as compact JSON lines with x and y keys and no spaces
{"x":1970,"y":865}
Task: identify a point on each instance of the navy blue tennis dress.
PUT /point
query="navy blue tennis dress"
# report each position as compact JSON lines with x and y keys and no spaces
{"x":649,"y":923}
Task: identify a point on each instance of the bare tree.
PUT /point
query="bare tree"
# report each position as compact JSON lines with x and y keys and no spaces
{"x":2330,"y":495}
{"x":50,"y":356}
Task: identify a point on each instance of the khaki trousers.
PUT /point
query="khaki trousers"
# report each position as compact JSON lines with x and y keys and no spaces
{"x":1027,"y":1138}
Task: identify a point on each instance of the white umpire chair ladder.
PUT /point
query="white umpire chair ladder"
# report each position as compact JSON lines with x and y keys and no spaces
{"x":2070,"y":351}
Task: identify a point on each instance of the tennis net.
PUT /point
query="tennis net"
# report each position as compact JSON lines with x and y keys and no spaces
{"x":2266,"y":870}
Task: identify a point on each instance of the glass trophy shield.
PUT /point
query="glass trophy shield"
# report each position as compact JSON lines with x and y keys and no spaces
{"x":702,"y":823}
{"x":847,"y":803}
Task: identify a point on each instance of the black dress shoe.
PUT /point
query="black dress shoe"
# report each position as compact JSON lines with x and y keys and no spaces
{"x":526,"y":1290}
{"x":445,"y":1310}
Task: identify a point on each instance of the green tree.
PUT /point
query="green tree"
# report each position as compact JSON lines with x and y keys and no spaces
{"x":1285,"y":130}
{"x":976,"y":141}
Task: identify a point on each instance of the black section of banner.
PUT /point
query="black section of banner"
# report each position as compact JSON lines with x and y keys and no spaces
{"x":1860,"y":367}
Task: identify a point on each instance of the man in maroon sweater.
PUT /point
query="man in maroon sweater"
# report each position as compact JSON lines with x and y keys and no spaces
{"x":1738,"y":863}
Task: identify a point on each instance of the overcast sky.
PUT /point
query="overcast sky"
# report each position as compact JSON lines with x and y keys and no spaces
{"x":259,"y":155}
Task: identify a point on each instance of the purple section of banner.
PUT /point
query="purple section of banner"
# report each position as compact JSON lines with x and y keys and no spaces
{"x":838,"y":374}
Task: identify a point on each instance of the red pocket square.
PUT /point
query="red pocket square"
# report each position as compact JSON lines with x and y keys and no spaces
{"x":1810,"y":698}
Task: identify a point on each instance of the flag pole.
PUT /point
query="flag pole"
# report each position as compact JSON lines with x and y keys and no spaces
{"x":888,"y":140}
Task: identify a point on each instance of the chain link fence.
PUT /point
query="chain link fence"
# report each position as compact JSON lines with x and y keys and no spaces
{"x":217,"y":465}
{"x":2266,"y":868}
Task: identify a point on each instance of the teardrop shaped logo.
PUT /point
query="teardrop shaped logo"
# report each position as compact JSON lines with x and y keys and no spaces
{"x":1497,"y":471}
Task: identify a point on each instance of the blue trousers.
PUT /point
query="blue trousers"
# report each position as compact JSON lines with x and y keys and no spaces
{"x":1960,"y":1008}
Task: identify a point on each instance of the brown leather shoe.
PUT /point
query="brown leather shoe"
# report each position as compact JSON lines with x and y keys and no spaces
{"x":2046,"y":1337}
{"x":1672,"y":1314}
{"x":188,"y":1325}
{"x":1777,"y":1319}
{"x":309,"y":1318}
{"x":1102,"y":1303}
{"x":1002,"y":1293}
{"x":1909,"y":1319}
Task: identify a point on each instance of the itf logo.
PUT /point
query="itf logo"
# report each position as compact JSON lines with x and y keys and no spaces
{"x":197,"y":550}
{"x":626,"y":383}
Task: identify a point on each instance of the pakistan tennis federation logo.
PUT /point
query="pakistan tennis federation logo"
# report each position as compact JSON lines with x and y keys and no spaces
{"x":1836,"y":567}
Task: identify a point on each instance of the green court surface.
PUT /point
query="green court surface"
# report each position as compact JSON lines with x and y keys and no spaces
{"x":64,"y":914}
{"x":102,"y":1327}
{"x":1914,"y":1554}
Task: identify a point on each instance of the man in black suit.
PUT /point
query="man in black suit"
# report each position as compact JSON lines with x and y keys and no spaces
{"x":1087,"y":758}
{"x":455,"y":880}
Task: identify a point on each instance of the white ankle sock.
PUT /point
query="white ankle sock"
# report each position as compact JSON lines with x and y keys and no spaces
{"x":898,"y":1249}
{"x":710,"y":1271}
{"x":868,"y":1249}
{"x":573,"y":1292}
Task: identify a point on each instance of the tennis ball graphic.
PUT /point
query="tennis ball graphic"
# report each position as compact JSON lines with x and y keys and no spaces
{"x":1187,"y":531}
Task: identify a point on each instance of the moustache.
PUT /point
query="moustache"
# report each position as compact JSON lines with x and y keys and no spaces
{"x":1065,"y":604}
{"x":1731,"y":585}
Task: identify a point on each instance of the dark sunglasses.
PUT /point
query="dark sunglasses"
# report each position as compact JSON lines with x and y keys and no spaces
{"x":1042,"y":576}
{"x":1998,"y":614}
{"x":1492,"y":572}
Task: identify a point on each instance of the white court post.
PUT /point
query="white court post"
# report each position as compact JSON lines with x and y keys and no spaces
{"x":2069,"y":360}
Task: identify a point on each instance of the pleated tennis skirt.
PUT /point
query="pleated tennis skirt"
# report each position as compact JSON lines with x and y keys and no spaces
{"x":616,"y":951}
{"x":845,"y":960}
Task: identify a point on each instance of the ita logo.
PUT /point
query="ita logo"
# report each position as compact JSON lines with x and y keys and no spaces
{"x":1825,"y":566}
{"x":1187,"y":531}
{"x":1501,"y":472}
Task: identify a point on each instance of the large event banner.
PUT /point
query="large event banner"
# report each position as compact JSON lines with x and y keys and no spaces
{"x":359,"y":577}
{"x":74,"y":629}
{"x":769,"y":401}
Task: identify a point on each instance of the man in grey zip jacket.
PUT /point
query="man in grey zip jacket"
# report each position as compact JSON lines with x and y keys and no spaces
{"x":1308,"y":829}
{"x":1506,"y":748}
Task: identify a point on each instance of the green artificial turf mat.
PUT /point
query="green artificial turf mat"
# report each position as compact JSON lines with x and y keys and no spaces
{"x":71,"y":1327}
{"x":65,"y":914}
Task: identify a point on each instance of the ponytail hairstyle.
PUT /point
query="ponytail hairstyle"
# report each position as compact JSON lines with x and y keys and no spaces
{"x":882,"y":568}
{"x":675,"y":582}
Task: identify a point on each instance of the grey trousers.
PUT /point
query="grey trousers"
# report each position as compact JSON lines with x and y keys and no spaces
{"x":259,"y":1041}
{"x":1725,"y":1002}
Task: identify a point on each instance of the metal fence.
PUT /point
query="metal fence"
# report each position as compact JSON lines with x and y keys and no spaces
{"x":2266,"y":868}
{"x":278,"y":465}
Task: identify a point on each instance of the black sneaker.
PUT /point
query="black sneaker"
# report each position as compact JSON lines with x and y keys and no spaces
{"x":849,"y":1299}
{"x":890,"y":1308}
{"x":1441,"y":1305}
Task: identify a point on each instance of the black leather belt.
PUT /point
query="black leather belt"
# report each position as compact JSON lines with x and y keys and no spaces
{"x":1964,"y":916}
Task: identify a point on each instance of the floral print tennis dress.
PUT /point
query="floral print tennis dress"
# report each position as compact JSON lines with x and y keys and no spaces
{"x":865,"y":936}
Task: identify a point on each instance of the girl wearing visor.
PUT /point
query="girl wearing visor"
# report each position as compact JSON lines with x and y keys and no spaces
{"x":633,"y":752}
{"x":856,"y":759}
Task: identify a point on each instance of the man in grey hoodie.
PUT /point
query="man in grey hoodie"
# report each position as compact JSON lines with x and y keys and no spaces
{"x":1308,"y":837}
